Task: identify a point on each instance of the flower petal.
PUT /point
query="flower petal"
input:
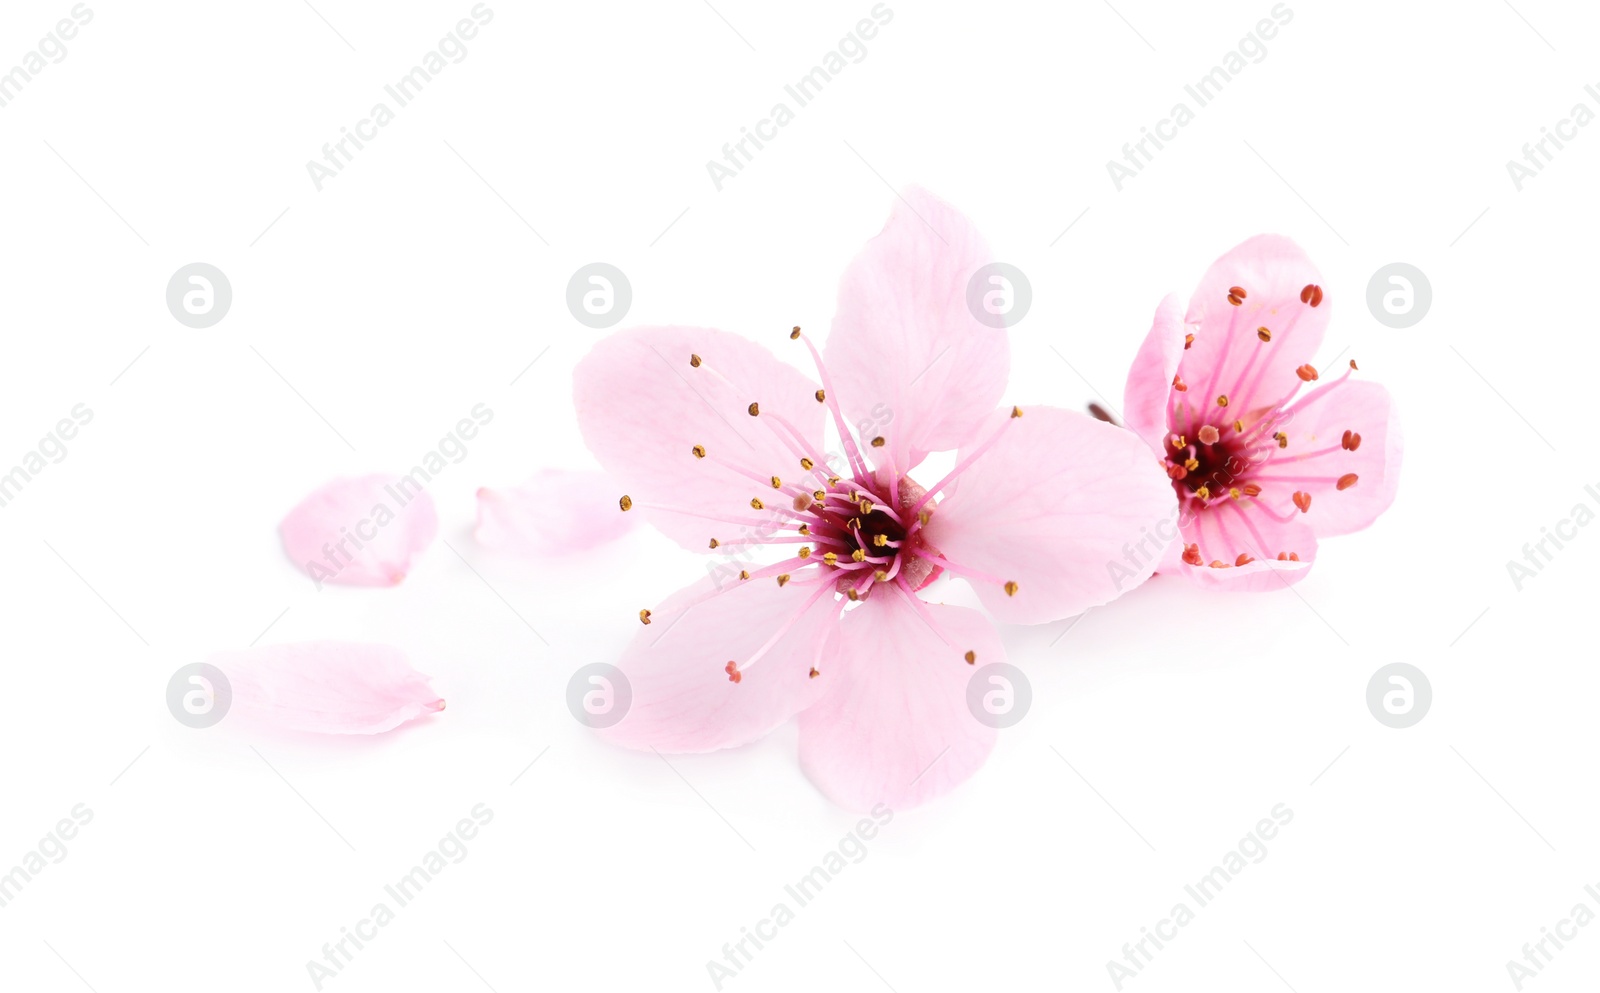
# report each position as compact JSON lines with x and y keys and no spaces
{"x":894,"y":727}
{"x":1149,"y":389}
{"x":1229,"y":356}
{"x":327,"y":687}
{"x":1317,"y":458}
{"x":555,"y":512}
{"x":1073,"y":510}
{"x":1228,"y":529}
{"x":643,"y":409}
{"x":906,"y":354}
{"x":362,"y":531}
{"x":682,"y":697}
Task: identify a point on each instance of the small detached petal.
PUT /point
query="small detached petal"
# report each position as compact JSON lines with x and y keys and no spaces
{"x":555,"y":512}
{"x":326,"y":687}
{"x":363,"y":531}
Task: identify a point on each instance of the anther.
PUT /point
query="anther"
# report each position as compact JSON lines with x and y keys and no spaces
{"x":1178,"y":441}
{"x":714,"y":543}
{"x":1234,"y":492}
{"x":880,"y":540}
{"x":814,"y":672}
{"x":1191,"y":554}
{"x":1011,"y":588}
{"x":1238,"y":427}
{"x":877,"y":442}
{"x":1218,"y":564}
{"x":755,"y":410}
{"x":1302,"y":499}
{"x":1222,"y":401}
{"x":1265,"y":334}
{"x":777,"y":483}
{"x":783,"y":578}
{"x":732,"y":669}
{"x":852,"y":594}
{"x":1204,"y":493}
{"x":644,"y":617}
{"x":795,"y":333}
{"x":1354,"y":366}
{"x":694,"y":361}
{"x":972,"y":658}
{"x":1281,"y":438}
{"x":805,"y":551}
{"x":1191,"y":464}
{"x":832,"y":558}
{"x":1243,"y":559}
{"x":1312,"y":294}
{"x":626,"y":503}
{"x":757,"y":504}
{"x":1016,"y":411}
{"x":807,"y":464}
{"x":1236,"y":295}
{"x":744,"y":574}
{"x":1251,"y":489}
{"x":1351,"y":441}
{"x":1347,"y":480}
{"x":822,"y":397}
{"x":1188,"y":342}
{"x":1307,"y":372}
{"x":1178,"y":384}
{"x":859,"y":555}
{"x":881,"y":575}
{"x":805,"y":529}
{"x":699,"y":451}
{"x":819,"y":495}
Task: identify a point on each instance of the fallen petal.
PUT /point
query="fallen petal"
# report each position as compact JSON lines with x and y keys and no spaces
{"x":362,"y":531}
{"x":555,"y":512}
{"x":326,"y":687}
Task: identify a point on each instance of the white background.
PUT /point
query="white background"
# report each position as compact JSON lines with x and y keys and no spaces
{"x":427,"y":277}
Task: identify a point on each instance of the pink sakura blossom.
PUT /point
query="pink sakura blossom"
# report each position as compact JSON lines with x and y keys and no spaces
{"x":326,"y":687}
{"x":1265,"y":456}
{"x":555,"y":512}
{"x":721,"y":446}
{"x":362,"y":531}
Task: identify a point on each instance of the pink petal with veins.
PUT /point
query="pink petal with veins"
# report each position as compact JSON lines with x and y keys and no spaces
{"x":555,"y":512}
{"x":362,"y":531}
{"x":326,"y":687}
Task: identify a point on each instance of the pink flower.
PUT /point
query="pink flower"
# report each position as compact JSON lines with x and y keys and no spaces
{"x":721,"y":446}
{"x":1265,"y":456}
